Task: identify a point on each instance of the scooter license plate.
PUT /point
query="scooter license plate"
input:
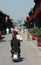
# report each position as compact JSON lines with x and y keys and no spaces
{"x":15,"y":57}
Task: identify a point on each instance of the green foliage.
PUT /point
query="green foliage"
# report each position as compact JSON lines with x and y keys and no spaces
{"x":34,"y":30}
{"x":39,"y":33}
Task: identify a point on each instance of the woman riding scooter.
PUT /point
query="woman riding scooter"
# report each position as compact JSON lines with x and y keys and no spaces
{"x":15,"y":45}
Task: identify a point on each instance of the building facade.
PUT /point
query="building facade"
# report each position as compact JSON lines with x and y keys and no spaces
{"x":34,"y":18}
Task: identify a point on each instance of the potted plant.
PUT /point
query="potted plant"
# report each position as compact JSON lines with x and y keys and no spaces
{"x":33,"y":32}
{"x":39,"y":37}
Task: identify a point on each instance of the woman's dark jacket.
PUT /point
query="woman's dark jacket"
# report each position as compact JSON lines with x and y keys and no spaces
{"x":15,"y":45}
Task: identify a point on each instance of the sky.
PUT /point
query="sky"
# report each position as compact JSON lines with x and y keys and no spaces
{"x":17,"y":9}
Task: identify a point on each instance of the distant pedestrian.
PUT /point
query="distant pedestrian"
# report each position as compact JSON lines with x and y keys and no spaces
{"x":7,"y":30}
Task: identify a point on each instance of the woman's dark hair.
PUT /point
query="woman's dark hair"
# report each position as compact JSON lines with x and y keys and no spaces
{"x":15,"y":32}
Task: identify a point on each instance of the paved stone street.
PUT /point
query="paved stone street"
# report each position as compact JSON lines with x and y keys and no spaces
{"x":29,"y":52}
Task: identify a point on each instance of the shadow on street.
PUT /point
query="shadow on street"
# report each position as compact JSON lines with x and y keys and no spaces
{"x":2,"y":40}
{"x":21,"y":59}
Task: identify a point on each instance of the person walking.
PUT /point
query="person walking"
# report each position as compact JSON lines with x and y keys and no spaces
{"x":7,"y":30}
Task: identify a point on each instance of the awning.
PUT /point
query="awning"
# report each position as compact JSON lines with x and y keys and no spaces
{"x":23,"y":27}
{"x":37,"y":11}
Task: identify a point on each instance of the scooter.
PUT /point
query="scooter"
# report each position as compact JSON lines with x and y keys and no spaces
{"x":15,"y":56}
